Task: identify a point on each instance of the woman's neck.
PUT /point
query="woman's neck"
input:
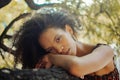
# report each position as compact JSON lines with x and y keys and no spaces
{"x":83,"y":49}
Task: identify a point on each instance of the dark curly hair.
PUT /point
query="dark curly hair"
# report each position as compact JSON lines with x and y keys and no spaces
{"x":28,"y":50}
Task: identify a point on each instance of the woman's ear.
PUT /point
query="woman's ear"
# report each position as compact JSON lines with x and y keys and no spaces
{"x":68,"y":29}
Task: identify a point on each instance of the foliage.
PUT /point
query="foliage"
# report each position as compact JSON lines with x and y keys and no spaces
{"x":100,"y":21}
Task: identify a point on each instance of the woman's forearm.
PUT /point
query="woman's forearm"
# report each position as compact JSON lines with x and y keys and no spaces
{"x":67,"y":62}
{"x":64,"y":61}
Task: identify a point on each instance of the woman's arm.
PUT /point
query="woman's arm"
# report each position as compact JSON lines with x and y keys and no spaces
{"x":90,"y":63}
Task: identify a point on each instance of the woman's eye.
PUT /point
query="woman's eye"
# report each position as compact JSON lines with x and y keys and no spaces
{"x":51,"y":50}
{"x":58,"y":39}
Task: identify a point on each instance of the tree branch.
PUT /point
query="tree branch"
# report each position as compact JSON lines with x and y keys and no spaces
{"x":5,"y":48}
{"x":36,"y":74}
{"x":4,"y":3}
{"x":34,"y":6}
{"x":10,"y":25}
{"x":109,"y":17}
{"x":8,"y":36}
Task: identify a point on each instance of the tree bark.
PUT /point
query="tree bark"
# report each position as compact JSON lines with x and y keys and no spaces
{"x":34,"y":6}
{"x":36,"y":74}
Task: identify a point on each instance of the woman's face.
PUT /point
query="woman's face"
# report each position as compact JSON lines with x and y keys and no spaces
{"x":58,"y":41}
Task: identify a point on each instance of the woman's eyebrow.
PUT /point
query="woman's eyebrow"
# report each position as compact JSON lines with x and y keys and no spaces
{"x":56,"y":37}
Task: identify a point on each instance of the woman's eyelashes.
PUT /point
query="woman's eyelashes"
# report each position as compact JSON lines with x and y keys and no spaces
{"x":58,"y":39}
{"x":51,"y":50}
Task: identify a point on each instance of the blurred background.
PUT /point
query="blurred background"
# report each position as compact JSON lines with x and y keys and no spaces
{"x":99,"y":19}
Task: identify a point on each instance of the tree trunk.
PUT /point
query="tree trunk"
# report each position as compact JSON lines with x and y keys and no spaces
{"x":36,"y":74}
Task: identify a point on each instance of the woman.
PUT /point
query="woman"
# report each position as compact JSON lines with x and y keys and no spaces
{"x":48,"y":38}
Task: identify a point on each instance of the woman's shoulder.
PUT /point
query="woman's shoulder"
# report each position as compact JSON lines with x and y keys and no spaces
{"x":99,"y":44}
{"x":88,"y":48}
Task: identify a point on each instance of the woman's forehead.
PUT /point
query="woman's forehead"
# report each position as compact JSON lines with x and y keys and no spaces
{"x":52,"y":31}
{"x":49,"y":33}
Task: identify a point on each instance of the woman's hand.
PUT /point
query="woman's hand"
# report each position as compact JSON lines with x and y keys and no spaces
{"x":44,"y":62}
